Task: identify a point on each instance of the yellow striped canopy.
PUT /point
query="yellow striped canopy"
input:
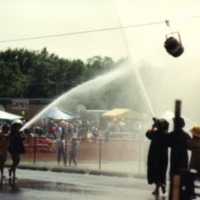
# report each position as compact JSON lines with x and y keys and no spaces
{"x":123,"y":113}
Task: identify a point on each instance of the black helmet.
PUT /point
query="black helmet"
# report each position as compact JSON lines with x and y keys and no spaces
{"x":5,"y":127}
{"x":162,"y":124}
{"x":179,"y":122}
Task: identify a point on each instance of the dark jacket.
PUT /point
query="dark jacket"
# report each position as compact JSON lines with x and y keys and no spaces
{"x":179,"y":152}
{"x":157,"y":159}
{"x":194,"y":146}
{"x":16,"y":145}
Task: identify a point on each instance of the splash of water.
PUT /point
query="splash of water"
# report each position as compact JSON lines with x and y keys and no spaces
{"x":93,"y":85}
{"x":130,"y":57}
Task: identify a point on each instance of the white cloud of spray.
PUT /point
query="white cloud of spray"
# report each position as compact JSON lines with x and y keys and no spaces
{"x":165,"y":78}
{"x":84,"y":91}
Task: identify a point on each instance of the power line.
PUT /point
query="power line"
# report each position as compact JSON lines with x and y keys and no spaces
{"x":90,"y":31}
{"x":82,"y":32}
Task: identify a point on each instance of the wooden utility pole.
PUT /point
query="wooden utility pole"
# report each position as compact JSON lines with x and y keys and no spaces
{"x":177,"y":112}
{"x":174,"y":193}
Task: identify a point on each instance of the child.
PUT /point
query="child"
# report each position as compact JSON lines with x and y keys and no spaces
{"x":60,"y":142}
{"x":73,"y":151}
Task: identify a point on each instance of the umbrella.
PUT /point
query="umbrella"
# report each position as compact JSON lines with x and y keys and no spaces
{"x":8,"y":116}
{"x":59,"y":113}
{"x":124,"y":113}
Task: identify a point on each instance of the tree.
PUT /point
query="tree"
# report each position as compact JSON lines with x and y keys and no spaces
{"x":11,"y":80}
{"x":39,"y":74}
{"x":98,"y":65}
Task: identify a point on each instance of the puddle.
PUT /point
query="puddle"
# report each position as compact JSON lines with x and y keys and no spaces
{"x":55,"y":186}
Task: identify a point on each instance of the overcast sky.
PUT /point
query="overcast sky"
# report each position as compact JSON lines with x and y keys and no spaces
{"x":69,"y":29}
{"x":23,"y":19}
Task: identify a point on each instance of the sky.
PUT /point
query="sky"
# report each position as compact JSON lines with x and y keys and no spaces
{"x":74,"y":25}
{"x":82,"y":29}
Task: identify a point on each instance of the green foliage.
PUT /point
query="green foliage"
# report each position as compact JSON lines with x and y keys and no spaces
{"x":39,"y":74}
{"x":98,"y":65}
{"x":11,"y":79}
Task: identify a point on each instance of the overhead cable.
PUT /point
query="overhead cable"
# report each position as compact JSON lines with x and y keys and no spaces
{"x":87,"y":31}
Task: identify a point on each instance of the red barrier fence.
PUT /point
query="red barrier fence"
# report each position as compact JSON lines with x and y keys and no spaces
{"x":99,"y":152}
{"x":88,"y":150}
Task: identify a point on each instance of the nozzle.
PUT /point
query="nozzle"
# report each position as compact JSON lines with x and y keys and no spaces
{"x":154,"y":119}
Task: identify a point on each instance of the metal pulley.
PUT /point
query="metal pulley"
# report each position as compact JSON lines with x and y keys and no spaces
{"x":173,"y":45}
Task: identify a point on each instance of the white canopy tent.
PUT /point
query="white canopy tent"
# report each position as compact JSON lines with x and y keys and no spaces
{"x":8,"y":116}
{"x":59,"y":114}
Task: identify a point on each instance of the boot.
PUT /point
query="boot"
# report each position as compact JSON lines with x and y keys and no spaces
{"x":163,"y":187}
{"x":156,"y":191}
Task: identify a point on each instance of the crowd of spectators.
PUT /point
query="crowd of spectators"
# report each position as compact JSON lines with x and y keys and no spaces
{"x":69,"y":129}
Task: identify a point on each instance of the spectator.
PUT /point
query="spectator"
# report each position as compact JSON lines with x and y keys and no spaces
{"x":108,"y":130}
{"x":76,"y":129}
{"x":194,"y":147}
{"x":52,"y":132}
{"x":16,"y":146}
{"x":3,"y":148}
{"x":194,"y":164}
{"x":61,"y":148}
{"x":94,"y":131}
{"x":73,"y":151}
{"x":58,"y":131}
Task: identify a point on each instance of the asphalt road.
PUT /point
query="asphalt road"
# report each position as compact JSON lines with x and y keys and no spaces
{"x":42,"y":185}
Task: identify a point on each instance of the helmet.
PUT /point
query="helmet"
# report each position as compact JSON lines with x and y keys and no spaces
{"x":179,"y":122}
{"x":17,"y":121}
{"x":162,"y":124}
{"x":196,"y":130}
{"x":5,"y":127}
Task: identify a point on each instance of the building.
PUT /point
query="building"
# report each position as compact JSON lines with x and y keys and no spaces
{"x":27,"y":108}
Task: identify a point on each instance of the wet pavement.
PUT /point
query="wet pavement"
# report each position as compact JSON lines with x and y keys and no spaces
{"x":41,"y":185}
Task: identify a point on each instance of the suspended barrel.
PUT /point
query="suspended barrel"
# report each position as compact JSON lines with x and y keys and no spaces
{"x":173,"y":46}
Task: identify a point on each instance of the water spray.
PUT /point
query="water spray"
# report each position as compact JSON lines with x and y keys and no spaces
{"x":94,"y":84}
{"x":136,"y":71}
{"x":144,"y":92}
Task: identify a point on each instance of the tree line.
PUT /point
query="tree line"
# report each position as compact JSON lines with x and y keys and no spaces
{"x":39,"y":74}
